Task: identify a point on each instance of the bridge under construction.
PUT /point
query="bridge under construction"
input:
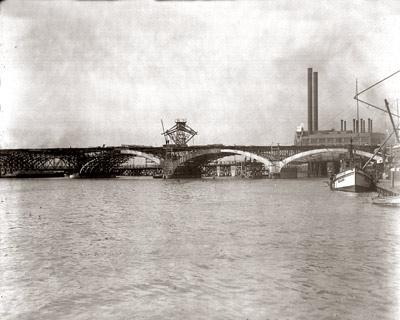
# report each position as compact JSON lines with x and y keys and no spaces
{"x":174,"y":161}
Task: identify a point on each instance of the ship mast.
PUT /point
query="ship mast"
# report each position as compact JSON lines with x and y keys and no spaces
{"x":358,"y":116}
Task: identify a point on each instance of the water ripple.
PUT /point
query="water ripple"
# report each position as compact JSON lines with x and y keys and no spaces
{"x":194,"y":249}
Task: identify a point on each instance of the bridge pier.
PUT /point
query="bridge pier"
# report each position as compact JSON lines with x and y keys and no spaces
{"x":233,"y":171}
{"x":317,"y":169}
{"x":183,"y":172}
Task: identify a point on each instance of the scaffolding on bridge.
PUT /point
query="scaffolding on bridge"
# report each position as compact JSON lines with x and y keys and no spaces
{"x":180,"y":133}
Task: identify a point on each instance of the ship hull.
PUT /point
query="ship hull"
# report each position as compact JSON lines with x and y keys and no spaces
{"x":353,"y":180}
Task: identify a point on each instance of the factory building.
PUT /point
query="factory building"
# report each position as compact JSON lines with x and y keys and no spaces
{"x":361,"y":133}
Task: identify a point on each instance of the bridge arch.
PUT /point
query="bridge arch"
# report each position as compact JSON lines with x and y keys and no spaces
{"x":194,"y":159}
{"x":135,"y":153}
{"x":250,"y":155}
{"x":308,"y":153}
{"x":111,"y":162}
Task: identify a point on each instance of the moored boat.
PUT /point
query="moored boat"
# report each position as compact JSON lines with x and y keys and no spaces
{"x":353,"y":180}
{"x":393,"y":201}
{"x":352,"y":177}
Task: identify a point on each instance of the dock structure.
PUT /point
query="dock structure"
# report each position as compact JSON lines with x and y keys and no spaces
{"x":391,"y":186}
{"x":386,"y":192}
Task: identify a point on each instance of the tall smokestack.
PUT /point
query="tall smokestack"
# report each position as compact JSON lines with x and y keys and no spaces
{"x":361,"y":125}
{"x":341,"y":125}
{"x":310,"y":128}
{"x":371,"y":125}
{"x":354,"y":125}
{"x":344,"y":125}
{"x":315,"y":102}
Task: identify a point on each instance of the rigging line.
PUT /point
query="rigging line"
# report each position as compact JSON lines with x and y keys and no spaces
{"x":326,"y":98}
{"x":355,"y":97}
{"x":330,"y":96}
{"x":371,"y":105}
{"x":333,"y":94}
{"x":330,"y":120}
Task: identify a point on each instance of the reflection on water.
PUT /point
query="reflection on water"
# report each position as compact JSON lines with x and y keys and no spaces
{"x":195,"y":249}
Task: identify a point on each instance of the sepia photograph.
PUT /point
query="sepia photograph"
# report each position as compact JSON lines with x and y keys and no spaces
{"x":199,"y":159}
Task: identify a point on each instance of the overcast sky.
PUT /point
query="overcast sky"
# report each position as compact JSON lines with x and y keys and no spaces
{"x":88,"y":73}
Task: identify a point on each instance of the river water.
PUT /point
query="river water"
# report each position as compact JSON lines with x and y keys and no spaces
{"x":131,"y":248}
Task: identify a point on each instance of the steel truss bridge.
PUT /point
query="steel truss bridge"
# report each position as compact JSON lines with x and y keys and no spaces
{"x":175,"y":161}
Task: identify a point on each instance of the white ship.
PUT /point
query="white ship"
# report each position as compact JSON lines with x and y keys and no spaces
{"x":353,"y":180}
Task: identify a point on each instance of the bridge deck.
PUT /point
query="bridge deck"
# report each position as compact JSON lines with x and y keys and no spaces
{"x":106,"y":159}
{"x":151,"y":149}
